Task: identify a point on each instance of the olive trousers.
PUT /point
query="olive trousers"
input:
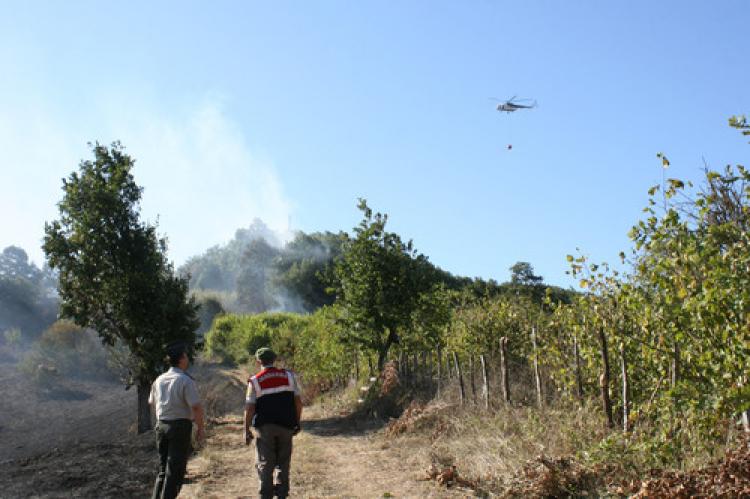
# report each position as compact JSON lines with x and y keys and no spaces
{"x":273,"y":446}
{"x":173,"y":443}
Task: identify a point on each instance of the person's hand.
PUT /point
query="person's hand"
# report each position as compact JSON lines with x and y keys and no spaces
{"x":296,"y":429}
{"x":248,"y":437}
{"x":200,"y":435}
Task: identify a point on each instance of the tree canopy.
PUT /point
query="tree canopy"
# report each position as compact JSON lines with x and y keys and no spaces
{"x":114,"y":276}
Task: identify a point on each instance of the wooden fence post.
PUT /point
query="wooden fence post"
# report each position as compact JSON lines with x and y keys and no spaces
{"x":460,"y":378}
{"x":471,"y":379}
{"x":604,"y":379}
{"x":504,"y":368}
{"x":485,"y":382}
{"x":625,"y":391}
{"x":579,"y":377}
{"x":537,"y":377}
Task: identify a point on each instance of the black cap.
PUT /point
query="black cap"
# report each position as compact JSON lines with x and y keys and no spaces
{"x":175,"y":349}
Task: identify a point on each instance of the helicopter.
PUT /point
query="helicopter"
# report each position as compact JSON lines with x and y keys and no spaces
{"x":512,"y":105}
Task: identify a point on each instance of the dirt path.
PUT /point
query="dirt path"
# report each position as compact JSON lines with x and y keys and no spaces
{"x":333,"y":457}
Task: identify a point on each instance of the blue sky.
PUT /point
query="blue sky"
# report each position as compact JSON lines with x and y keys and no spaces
{"x":293,"y":110}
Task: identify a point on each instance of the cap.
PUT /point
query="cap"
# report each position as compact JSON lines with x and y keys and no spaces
{"x":265,"y":354}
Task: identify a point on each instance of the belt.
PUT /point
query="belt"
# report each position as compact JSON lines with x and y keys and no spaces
{"x":181,"y":420}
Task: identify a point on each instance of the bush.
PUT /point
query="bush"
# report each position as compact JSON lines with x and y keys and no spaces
{"x":308,"y":344}
{"x":12,"y":336}
{"x":65,"y":349}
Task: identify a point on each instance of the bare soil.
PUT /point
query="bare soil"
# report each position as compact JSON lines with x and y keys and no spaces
{"x":335,"y":456}
{"x":76,"y":439}
{"x":70,"y":438}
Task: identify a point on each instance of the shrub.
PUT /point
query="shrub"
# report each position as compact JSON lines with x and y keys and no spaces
{"x":65,"y":349}
{"x":308,"y":344}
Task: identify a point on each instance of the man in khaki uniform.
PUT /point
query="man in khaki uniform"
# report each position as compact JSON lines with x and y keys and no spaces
{"x":175,"y":399}
{"x":273,"y":408}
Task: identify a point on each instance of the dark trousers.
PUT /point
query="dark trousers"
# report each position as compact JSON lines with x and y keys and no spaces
{"x":273,"y":447}
{"x":173,"y":442}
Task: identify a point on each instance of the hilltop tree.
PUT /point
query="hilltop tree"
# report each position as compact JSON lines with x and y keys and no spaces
{"x":253,"y":284}
{"x":523,"y":273}
{"x":380,"y":282}
{"x":114,"y":275}
{"x":305,"y":268}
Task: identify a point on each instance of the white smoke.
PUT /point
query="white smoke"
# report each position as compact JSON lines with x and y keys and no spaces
{"x":201,"y":180}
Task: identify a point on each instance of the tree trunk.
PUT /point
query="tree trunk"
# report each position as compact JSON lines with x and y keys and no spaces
{"x":144,"y":411}
{"x":439,"y":371}
{"x":579,"y":377}
{"x":745,"y":416}
{"x":471,"y":379}
{"x":625,"y":391}
{"x":604,"y":380}
{"x":676,"y":366}
{"x":504,"y":369}
{"x":485,"y":382}
{"x":461,"y":389}
{"x":356,"y":366}
{"x":427,"y":358}
{"x":537,"y":377}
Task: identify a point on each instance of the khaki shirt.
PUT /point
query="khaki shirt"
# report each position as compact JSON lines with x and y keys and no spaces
{"x":173,"y":395}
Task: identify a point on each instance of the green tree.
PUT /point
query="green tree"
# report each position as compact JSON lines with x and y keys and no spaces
{"x":114,"y":276}
{"x":28,"y":300}
{"x":254,"y":290}
{"x":304,"y":269}
{"x":380,"y":282}
{"x":523,"y":273}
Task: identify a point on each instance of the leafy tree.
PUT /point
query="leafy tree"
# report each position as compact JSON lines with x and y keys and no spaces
{"x":254,"y":292}
{"x":523,"y":273}
{"x":114,"y":276}
{"x":28,"y":301}
{"x":305,"y":268}
{"x":380,"y":282}
{"x":220,"y":266}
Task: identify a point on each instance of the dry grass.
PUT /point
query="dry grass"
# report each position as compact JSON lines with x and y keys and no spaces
{"x":492,"y":449}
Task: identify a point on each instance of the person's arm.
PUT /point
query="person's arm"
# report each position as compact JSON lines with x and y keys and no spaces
{"x":249,"y":413}
{"x":192,"y":399}
{"x":199,"y":422}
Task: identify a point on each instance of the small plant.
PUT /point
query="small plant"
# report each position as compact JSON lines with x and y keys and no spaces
{"x":12,"y":336}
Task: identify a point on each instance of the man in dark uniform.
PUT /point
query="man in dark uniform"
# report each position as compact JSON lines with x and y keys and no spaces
{"x":273,"y":408}
{"x":176,"y":403}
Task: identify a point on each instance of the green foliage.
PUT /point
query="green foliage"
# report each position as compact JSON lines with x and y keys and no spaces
{"x":209,"y":306}
{"x":27,"y":295}
{"x":380,"y":283}
{"x":262,"y":274}
{"x":12,"y":336}
{"x":523,"y":273}
{"x":114,"y":276}
{"x":304,"y":269}
{"x":254,"y":293}
{"x":306,"y":343}
{"x":68,"y":350}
